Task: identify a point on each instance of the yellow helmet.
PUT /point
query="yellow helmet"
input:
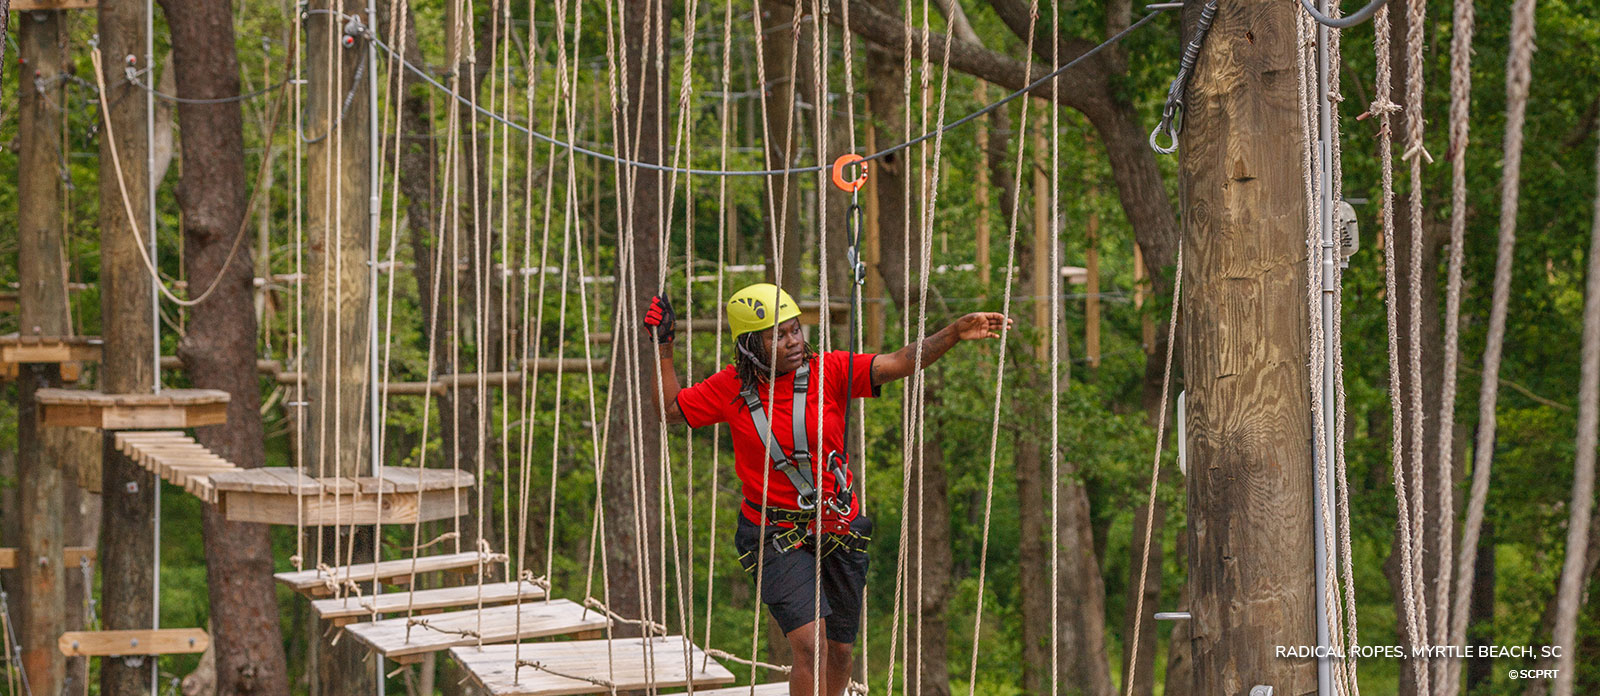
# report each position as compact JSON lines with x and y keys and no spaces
{"x":751,"y":309}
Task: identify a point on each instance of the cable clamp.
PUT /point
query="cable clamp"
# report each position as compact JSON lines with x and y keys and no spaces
{"x":353,"y":30}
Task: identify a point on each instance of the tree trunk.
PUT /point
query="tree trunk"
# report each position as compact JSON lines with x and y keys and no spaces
{"x":219,"y":350}
{"x":42,"y":306}
{"x":929,"y":635}
{"x":1480,"y":625}
{"x":337,"y":295}
{"x":1033,"y":561}
{"x":1145,"y":675}
{"x":632,"y":496}
{"x":1180,"y":675}
{"x":1245,"y":354}
{"x":127,"y":325}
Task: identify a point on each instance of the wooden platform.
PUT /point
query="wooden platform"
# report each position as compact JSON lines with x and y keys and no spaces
{"x":177,"y":458}
{"x":15,"y":348}
{"x":512,"y":622}
{"x":567,"y":667}
{"x":165,"y":641}
{"x":397,"y":572}
{"x":282,"y":495}
{"x":343,"y":610}
{"x":72,"y":557}
{"x":172,"y":408}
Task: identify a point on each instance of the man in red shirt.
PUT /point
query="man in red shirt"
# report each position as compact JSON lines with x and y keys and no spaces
{"x":799,"y":502}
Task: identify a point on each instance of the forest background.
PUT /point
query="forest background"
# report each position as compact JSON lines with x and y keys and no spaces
{"x":1106,"y":431}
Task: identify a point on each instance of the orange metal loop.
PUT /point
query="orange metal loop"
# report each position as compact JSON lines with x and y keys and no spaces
{"x":846,"y":160}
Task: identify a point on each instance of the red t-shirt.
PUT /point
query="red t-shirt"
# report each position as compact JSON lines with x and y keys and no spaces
{"x":716,"y":399}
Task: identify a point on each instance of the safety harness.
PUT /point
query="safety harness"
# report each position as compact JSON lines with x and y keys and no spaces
{"x":797,"y":465}
{"x":796,"y":527}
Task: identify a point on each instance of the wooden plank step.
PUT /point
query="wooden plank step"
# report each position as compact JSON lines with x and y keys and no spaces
{"x":176,"y":457}
{"x":436,"y":632}
{"x":776,"y":689}
{"x":590,"y":666}
{"x":427,"y":600}
{"x":165,"y":641}
{"x":394,"y":572}
{"x":172,"y":408}
{"x":71,"y":557}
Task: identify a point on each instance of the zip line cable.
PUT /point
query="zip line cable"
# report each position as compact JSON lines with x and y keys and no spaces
{"x":133,"y":78}
{"x":525,"y":130}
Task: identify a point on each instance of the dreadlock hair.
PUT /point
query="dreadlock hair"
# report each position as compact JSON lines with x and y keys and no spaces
{"x":750,"y":360}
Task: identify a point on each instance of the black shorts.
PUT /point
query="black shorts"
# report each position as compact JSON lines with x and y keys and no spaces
{"x":788,"y":579}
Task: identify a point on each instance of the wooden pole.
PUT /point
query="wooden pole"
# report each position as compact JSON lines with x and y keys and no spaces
{"x":127,"y":364}
{"x":1245,"y":348}
{"x":336,"y":296}
{"x":42,"y":305}
{"x":872,"y":294}
{"x":981,"y":191}
{"x":1041,"y":245}
{"x":1091,"y":304}
{"x":1141,"y":283}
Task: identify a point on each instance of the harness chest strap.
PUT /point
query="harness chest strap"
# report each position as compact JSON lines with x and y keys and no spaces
{"x":798,"y":477}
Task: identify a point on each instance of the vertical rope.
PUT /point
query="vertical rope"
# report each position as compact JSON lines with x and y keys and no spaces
{"x":1518,"y":73}
{"x":1462,"y":24}
{"x":1404,"y":529}
{"x":1572,"y":575}
{"x":1000,"y":361}
{"x":1416,"y":13}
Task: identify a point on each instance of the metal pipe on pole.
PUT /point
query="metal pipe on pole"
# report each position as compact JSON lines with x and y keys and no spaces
{"x":374,"y":207}
{"x":1328,"y":250}
{"x":155,"y":317}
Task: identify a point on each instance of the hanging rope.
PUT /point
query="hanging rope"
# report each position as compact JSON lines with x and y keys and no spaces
{"x":127,"y":203}
{"x":1404,"y":530}
{"x":1461,"y":24}
{"x":1572,"y":576}
{"x":1000,"y":367}
{"x":1518,"y":74}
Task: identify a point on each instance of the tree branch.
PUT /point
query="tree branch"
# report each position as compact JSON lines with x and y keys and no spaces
{"x":1078,"y":89}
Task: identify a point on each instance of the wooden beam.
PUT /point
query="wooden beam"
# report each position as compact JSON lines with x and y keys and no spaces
{"x":164,"y":641}
{"x":30,"y":5}
{"x":71,"y":556}
{"x":172,"y":408}
{"x":344,"y":510}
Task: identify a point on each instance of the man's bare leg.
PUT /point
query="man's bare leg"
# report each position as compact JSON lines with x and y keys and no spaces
{"x":838,"y":670}
{"x":805,"y":642}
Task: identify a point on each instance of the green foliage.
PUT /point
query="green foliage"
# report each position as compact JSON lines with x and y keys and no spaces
{"x":541,"y":448}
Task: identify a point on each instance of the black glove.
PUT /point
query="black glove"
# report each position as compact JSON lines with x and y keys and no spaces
{"x":659,"y":320}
